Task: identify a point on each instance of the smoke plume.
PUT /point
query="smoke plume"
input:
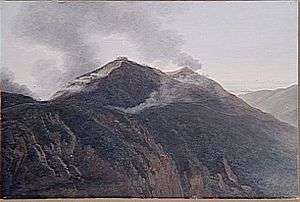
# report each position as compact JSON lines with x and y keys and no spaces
{"x":66,"y":27}
{"x":7,"y":84}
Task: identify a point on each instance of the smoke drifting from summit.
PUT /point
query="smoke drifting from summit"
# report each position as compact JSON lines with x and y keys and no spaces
{"x":186,"y":60}
{"x":66,"y":28}
{"x":81,"y":36}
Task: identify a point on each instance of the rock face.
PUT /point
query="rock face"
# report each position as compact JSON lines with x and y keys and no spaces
{"x":281,"y":103}
{"x":127,"y":130}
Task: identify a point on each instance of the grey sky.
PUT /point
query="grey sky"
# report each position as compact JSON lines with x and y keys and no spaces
{"x":242,"y":45}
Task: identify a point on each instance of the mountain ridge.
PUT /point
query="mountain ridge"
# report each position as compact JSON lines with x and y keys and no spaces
{"x":281,"y":103}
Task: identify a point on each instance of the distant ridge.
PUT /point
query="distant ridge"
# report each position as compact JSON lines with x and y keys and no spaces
{"x":281,"y":102}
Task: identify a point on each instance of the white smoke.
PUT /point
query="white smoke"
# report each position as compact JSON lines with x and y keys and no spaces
{"x":65,"y":27}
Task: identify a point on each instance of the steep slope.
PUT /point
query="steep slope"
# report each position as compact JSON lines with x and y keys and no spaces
{"x":71,"y":151}
{"x":281,"y":103}
{"x":257,"y":155}
{"x":128,"y":130}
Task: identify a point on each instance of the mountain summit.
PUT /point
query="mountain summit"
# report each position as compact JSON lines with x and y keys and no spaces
{"x":112,"y":70}
{"x":129,"y":130}
{"x":185,"y":71}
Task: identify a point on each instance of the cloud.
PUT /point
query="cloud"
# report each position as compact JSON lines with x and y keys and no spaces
{"x":58,"y":27}
{"x":7,"y":84}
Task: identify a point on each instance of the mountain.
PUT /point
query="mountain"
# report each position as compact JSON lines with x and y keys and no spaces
{"x":129,"y":130}
{"x":281,"y":103}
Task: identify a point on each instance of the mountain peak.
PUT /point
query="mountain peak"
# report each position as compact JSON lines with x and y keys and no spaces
{"x":119,"y":71}
{"x":185,"y":71}
{"x":103,"y":71}
{"x":121,"y":58}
